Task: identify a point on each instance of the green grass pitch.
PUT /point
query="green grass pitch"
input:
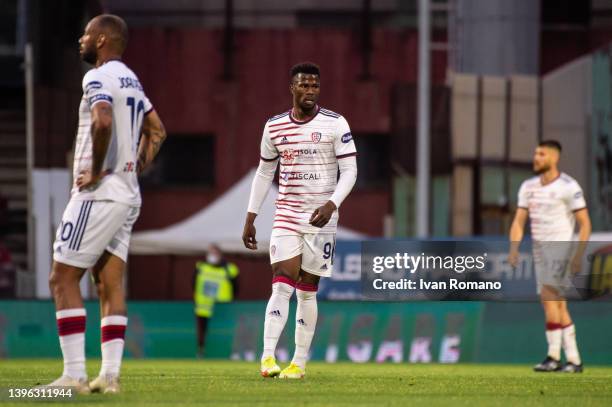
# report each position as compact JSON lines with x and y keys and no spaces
{"x":221,"y":383}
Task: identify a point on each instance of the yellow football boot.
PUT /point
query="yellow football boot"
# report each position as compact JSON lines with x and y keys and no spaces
{"x":269,"y":368}
{"x":292,"y":371}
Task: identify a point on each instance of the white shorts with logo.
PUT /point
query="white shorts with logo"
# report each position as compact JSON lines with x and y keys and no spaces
{"x":551,"y":261}
{"x":89,"y":228}
{"x":317,"y":251}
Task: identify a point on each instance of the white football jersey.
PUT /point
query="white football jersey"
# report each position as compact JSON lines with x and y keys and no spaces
{"x":551,"y":207}
{"x":309,"y":153}
{"x":114,"y":83}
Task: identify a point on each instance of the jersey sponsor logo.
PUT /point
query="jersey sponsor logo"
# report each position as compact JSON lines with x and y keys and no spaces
{"x":346,"y":137}
{"x":306,"y":151}
{"x":300,"y":176}
{"x":273,"y":249}
{"x":316,"y":137}
{"x":288,"y":154}
{"x":284,"y":140}
{"x":578,"y":195}
{"x":127,"y":82}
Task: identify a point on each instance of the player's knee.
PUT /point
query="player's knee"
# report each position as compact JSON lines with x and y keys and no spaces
{"x":101,"y":290}
{"x":285,"y":272}
{"x":57,"y":282}
{"x":53,"y":281}
{"x":551,"y":307}
{"x":306,"y":291}
{"x":283,"y":286}
{"x":113,"y":287}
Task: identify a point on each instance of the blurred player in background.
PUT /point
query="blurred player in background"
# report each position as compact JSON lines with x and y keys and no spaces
{"x":312,"y":144}
{"x":554,"y":202}
{"x":105,"y":202}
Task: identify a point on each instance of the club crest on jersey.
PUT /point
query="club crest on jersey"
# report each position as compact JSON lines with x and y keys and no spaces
{"x":316,"y":137}
{"x":288,"y":154}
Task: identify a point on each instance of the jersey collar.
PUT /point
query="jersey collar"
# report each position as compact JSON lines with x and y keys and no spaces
{"x":294,"y":120}
{"x":110,"y":60}
{"x":551,"y":181}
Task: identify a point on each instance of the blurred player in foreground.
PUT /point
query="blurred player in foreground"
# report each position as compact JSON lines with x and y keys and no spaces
{"x":105,"y":202}
{"x":312,"y":144}
{"x":554,"y":202}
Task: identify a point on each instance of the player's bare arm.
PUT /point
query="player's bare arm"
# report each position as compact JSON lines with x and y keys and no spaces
{"x":584,"y":224}
{"x":153,"y":136}
{"x":101,"y":130}
{"x":584,"y":232}
{"x":248,"y":234}
{"x":516,"y":235}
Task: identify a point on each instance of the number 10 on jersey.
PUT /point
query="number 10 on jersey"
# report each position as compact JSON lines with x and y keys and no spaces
{"x":136,"y":116}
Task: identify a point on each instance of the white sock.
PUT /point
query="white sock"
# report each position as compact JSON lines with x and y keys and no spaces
{"x":71,"y":329}
{"x":276,"y":313}
{"x":553,"y":336}
{"x":569,"y":344}
{"x":306,"y":321}
{"x":113,"y":340}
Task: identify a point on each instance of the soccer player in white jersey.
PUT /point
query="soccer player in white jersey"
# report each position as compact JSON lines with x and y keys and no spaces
{"x":311,"y":144}
{"x":105,"y":202}
{"x":554,"y":203}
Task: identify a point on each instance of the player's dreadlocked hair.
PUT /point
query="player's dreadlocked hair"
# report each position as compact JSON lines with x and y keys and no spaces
{"x":550,"y":144}
{"x":305,"y":67}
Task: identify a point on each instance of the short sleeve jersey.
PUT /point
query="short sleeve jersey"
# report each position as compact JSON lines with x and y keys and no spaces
{"x":113,"y":83}
{"x":309,"y":152}
{"x":551,"y":207}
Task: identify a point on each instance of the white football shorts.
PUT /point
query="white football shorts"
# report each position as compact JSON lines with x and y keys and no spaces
{"x":551,"y":261}
{"x":89,"y":228}
{"x":317,"y":251}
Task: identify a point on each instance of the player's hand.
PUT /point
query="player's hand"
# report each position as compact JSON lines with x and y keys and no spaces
{"x":248,"y":236}
{"x":576,"y":265}
{"x":513,"y":258}
{"x":322,"y":214}
{"x":87,"y":180}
